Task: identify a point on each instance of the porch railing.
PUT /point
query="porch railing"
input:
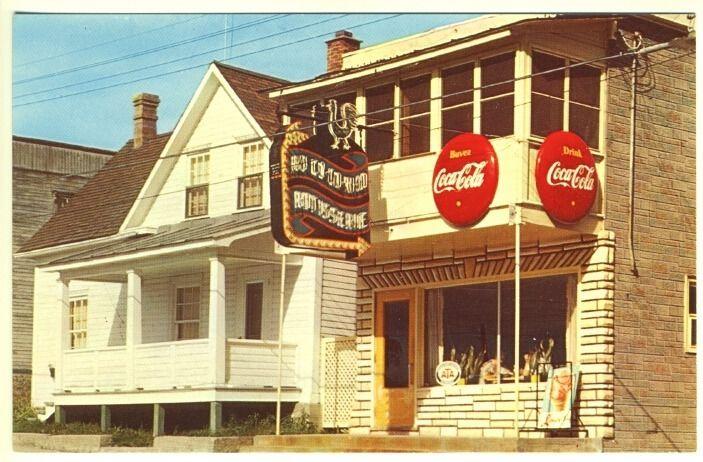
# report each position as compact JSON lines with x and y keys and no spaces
{"x":95,"y":369}
{"x":171,"y":364}
{"x":254,"y":363}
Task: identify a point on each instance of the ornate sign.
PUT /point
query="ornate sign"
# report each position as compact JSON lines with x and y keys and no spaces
{"x":448,"y":373}
{"x":566,"y":177}
{"x":465,"y":179}
{"x":319,"y":189}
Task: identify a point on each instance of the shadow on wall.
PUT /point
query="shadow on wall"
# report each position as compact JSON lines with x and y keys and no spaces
{"x":117,"y":328}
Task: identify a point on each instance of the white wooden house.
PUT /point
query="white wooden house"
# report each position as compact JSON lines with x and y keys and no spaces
{"x":159,"y":283}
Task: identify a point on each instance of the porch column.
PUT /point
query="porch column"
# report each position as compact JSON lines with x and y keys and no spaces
{"x":134,"y":321}
{"x":62,"y":321}
{"x":216,"y":321}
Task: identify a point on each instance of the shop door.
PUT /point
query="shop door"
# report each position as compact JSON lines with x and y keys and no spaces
{"x":394,"y":379}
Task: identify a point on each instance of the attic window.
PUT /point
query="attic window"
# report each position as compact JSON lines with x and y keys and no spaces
{"x":61,"y":199}
{"x":252,"y":180}
{"x":197,"y":193}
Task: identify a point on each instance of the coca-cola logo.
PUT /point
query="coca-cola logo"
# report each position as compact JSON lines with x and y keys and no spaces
{"x":465,"y":179}
{"x":566,"y":177}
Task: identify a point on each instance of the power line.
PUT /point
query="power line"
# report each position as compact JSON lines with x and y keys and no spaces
{"x":108,"y":42}
{"x":150,"y":50}
{"x":185,"y":58}
{"x":322,"y":124}
{"x":202,"y":64}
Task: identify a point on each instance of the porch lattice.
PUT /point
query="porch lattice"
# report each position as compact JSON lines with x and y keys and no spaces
{"x":338,"y":375}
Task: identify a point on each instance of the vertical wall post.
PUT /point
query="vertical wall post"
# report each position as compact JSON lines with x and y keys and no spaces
{"x":159,"y":420}
{"x":216,"y":322}
{"x":280,"y":343}
{"x":134,"y":322}
{"x":517,"y":320}
{"x":498,"y":346}
{"x":105,"y":418}
{"x":62,"y":321}
{"x":215,"y":416}
{"x":59,"y":415}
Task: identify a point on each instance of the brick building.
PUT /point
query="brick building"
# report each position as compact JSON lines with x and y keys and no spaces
{"x":620,"y":311}
{"x":45,"y":174}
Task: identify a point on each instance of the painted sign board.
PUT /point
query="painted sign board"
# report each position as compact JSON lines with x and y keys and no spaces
{"x":319,"y":192}
{"x":465,"y":179}
{"x":566,"y":177}
{"x":559,"y":398}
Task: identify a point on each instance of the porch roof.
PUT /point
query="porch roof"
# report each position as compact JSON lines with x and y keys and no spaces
{"x":178,"y":234}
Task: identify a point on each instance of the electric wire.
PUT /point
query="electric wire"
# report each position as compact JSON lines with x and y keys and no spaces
{"x":150,"y":50}
{"x":154,"y":76}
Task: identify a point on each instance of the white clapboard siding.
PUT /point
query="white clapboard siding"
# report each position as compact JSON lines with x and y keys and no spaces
{"x":171,"y":364}
{"x":254,"y":364}
{"x":338,"y":311}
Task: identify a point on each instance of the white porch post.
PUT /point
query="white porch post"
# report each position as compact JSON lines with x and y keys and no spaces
{"x":134,"y":321}
{"x":62,"y":301}
{"x":216,"y":322}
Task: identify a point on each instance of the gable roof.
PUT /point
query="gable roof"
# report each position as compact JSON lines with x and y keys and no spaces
{"x":99,"y":208}
{"x":249,"y":87}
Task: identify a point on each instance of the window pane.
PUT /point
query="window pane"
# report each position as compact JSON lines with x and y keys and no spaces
{"x":547,"y":114}
{"x":303,"y":109}
{"x":692,"y":297}
{"x":457,"y":79}
{"x":585,"y":85}
{"x":552,"y":83}
{"x":456,"y":121}
{"x":415,"y":134}
{"x":188,"y":330}
{"x":497,"y":69}
{"x":250,"y":189}
{"x":415,"y":94}
{"x":497,"y":116}
{"x":693,"y":332}
{"x":345,"y":98}
{"x":584,"y":122}
{"x":395,"y":333}
{"x":254,"y":308}
{"x":379,"y":144}
{"x":379,"y":104}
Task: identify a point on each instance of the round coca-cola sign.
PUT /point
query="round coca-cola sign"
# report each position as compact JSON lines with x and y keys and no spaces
{"x":566,"y":177}
{"x":465,"y":179}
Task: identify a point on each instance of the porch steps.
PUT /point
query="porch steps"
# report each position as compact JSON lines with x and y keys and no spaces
{"x":405,"y":443}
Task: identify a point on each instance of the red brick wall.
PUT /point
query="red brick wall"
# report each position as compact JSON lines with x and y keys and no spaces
{"x":655,"y":381}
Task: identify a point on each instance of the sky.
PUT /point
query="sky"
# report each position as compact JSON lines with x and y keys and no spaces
{"x":57,"y":55}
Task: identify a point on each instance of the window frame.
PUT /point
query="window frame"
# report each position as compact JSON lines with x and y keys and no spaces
{"x":261,"y":312}
{"x":687,"y":315}
{"x":176,"y":321}
{"x":241,"y":181}
{"x":566,"y":100}
{"x":73,"y":332}
{"x":197,"y":182}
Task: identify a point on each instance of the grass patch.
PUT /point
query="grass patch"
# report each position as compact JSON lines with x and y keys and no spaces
{"x":131,"y":437}
{"x":257,"y":424}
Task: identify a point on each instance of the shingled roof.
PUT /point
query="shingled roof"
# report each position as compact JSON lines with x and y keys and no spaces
{"x":249,"y":86}
{"x":100,"y":207}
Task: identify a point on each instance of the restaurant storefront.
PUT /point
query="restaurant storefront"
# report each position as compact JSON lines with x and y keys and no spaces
{"x":486,"y":301}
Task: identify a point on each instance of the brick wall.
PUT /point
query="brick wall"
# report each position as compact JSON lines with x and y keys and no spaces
{"x":655,"y":380}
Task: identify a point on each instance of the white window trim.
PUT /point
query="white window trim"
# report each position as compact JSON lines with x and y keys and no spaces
{"x":180,"y":282}
{"x":687,"y":316}
{"x":72,"y":299}
{"x":244,"y":174}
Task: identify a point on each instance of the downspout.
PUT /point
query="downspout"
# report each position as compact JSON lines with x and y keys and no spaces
{"x":631,"y":207}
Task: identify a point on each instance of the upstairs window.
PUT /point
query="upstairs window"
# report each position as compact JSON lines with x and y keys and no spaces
{"x":78,"y":322}
{"x":498,"y":99}
{"x":252,"y":180}
{"x":572,"y":91}
{"x":187,"y":312}
{"x":457,"y":101}
{"x":61,"y":199}
{"x":690,"y":314}
{"x":379,"y":113}
{"x":415,"y":115}
{"x":303,"y":113}
{"x":197,"y":192}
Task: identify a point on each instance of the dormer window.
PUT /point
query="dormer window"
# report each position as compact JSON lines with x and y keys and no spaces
{"x":197,"y":191}
{"x":61,"y":199}
{"x":252,"y":180}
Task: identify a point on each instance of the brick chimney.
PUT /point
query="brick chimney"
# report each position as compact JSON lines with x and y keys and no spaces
{"x":145,"y":105}
{"x":343,"y":42}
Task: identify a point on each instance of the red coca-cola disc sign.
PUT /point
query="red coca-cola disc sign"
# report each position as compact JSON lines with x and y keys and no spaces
{"x":566,"y":177}
{"x":465,"y":179}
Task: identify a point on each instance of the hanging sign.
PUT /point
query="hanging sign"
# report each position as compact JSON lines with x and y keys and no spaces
{"x":448,"y":373}
{"x":566,"y":177}
{"x":559,"y":398}
{"x":465,"y":179}
{"x":319,"y":189}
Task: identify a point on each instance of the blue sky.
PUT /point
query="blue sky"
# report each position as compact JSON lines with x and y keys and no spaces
{"x":103,"y":118}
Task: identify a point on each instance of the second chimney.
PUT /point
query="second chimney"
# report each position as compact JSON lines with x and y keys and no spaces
{"x":343,"y":42}
{"x":145,"y":105}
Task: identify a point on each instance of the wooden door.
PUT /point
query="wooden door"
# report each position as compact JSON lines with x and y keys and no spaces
{"x":394,"y":360}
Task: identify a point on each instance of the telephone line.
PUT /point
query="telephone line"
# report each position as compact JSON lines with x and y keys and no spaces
{"x":199,"y":65}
